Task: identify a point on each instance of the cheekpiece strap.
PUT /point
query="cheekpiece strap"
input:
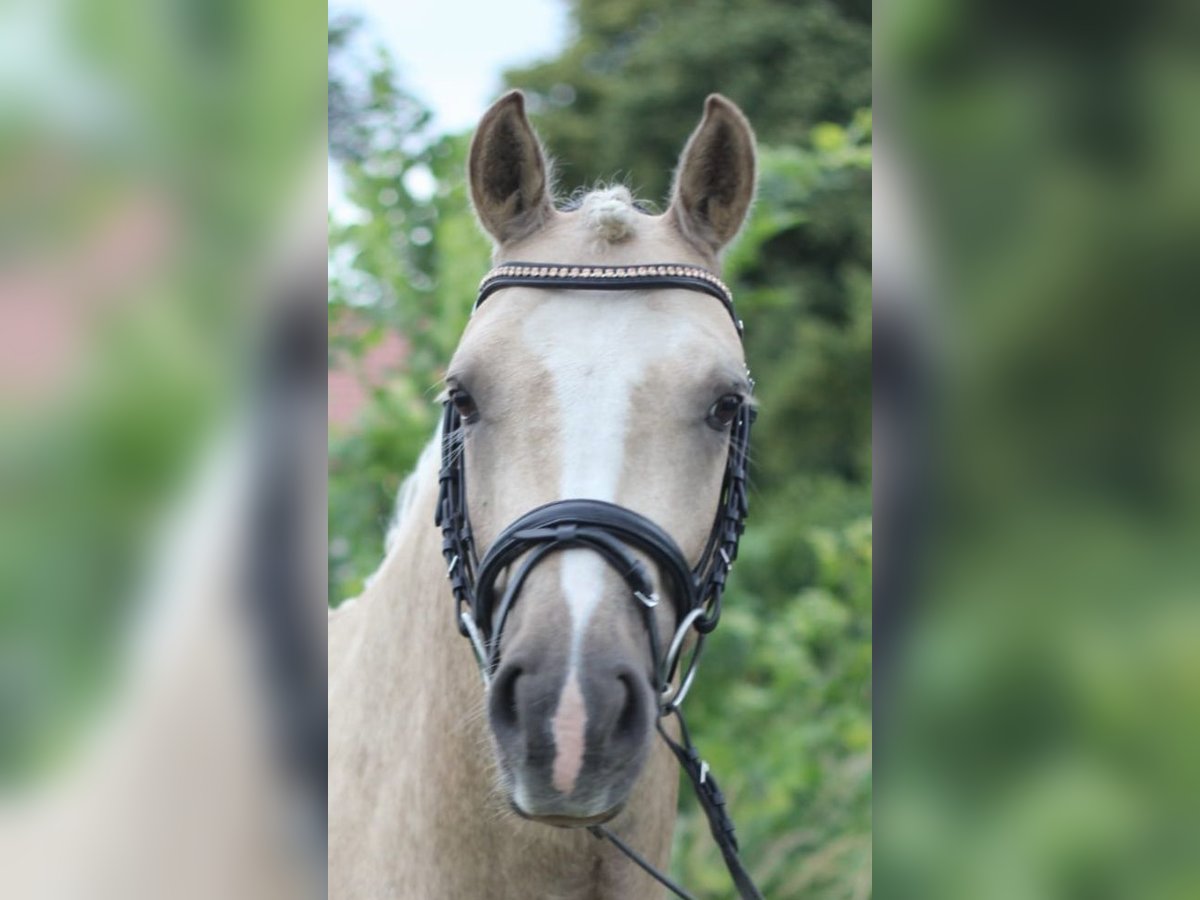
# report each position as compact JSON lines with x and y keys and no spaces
{"x":608,"y":278}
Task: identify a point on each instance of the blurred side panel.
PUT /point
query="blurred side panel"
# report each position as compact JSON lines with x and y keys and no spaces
{"x":1038,"y":431}
{"x":162,"y":509}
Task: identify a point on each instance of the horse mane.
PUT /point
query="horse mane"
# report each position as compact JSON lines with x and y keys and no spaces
{"x":407,"y":494}
{"x":406,"y":498}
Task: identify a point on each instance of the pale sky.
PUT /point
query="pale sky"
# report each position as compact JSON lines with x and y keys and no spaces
{"x":451,"y":52}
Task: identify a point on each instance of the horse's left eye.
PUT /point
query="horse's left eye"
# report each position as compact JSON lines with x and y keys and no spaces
{"x":722,"y":413}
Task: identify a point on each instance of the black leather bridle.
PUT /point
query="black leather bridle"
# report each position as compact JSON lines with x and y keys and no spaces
{"x":616,"y":534}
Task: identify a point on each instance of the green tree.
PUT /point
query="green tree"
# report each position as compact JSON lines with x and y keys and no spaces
{"x":408,"y":261}
{"x":144,"y":183}
{"x":617,"y":101}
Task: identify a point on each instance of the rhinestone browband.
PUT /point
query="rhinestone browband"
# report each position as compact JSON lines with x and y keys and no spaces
{"x":609,"y":278}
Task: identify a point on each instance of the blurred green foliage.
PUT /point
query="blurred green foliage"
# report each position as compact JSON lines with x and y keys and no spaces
{"x":146,"y":149}
{"x":625,"y":91}
{"x":409,"y":261}
{"x":782,"y":707}
{"x":1041,"y":729}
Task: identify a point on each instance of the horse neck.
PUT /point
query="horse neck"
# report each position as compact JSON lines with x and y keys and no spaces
{"x":412,"y":779}
{"x":406,"y":731}
{"x":410,"y":649}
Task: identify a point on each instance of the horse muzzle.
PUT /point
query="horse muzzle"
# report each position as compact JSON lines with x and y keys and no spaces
{"x":571,"y":740}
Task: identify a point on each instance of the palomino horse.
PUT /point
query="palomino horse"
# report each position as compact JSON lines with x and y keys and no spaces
{"x":568,"y":385}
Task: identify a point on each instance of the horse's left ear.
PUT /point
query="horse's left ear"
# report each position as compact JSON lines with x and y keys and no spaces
{"x":714,"y":182}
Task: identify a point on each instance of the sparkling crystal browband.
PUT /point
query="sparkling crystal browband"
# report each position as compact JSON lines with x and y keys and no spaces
{"x":607,"y":278}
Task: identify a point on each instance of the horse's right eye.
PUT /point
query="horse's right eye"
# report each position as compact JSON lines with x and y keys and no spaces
{"x":465,"y":405}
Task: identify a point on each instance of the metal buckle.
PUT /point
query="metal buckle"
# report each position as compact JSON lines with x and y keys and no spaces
{"x":648,"y":602}
{"x":685,"y":687}
{"x":669,"y":700}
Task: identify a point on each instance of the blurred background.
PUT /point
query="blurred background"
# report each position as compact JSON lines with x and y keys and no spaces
{"x":1035,"y":368}
{"x":162,"y":234}
{"x":1037,"y":601}
{"x":782,"y":707}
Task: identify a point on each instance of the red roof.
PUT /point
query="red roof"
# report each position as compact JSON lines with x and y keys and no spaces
{"x":351,"y":381}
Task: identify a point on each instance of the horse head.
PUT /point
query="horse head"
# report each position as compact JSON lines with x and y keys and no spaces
{"x":621,"y":396}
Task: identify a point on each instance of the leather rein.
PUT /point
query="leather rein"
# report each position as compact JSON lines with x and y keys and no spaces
{"x":616,"y":534}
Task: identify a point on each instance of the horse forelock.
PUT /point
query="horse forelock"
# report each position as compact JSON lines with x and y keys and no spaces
{"x":610,"y":213}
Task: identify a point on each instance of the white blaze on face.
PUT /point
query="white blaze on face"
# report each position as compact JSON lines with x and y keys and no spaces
{"x":570,"y":728}
{"x":596,"y":359}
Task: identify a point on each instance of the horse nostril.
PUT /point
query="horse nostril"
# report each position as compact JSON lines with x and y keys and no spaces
{"x":503,"y":701}
{"x":629,"y":720}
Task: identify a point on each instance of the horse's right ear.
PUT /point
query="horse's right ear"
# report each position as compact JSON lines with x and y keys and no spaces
{"x":507,"y":171}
